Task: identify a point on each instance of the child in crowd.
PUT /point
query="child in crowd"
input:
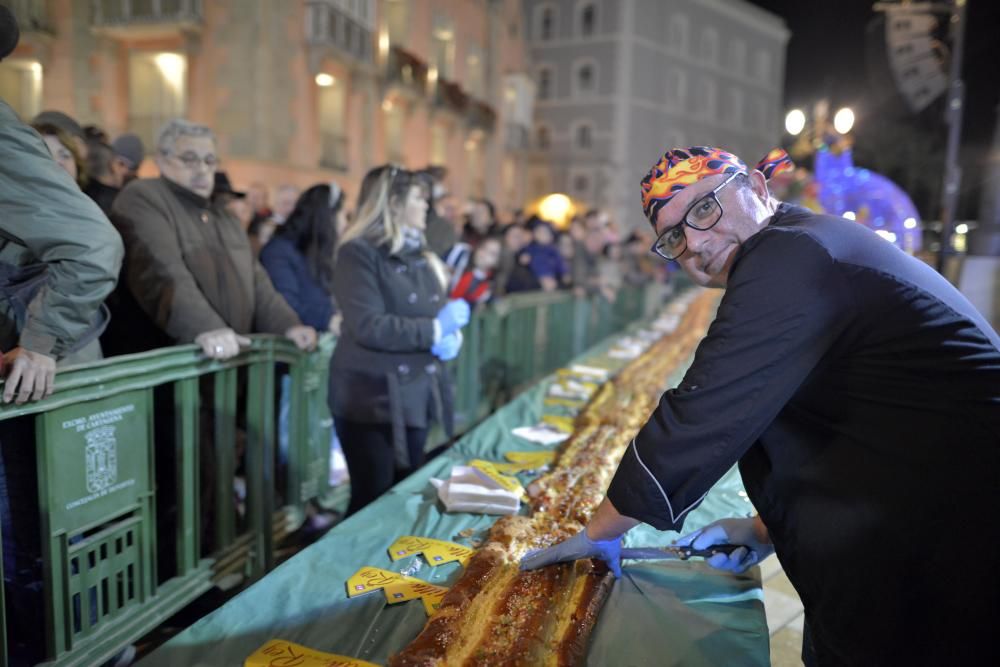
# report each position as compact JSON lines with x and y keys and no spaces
{"x":476,"y":284}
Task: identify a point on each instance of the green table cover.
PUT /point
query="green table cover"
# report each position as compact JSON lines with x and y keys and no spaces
{"x":659,"y":613}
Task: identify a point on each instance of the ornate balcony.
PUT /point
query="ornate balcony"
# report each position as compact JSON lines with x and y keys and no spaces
{"x":331,"y":31}
{"x":406,"y":70}
{"x":147,"y":18}
{"x":32,"y":17}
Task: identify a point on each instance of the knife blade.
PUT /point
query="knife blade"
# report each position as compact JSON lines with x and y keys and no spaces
{"x":677,"y":552}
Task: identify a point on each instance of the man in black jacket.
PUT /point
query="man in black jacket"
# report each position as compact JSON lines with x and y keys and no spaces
{"x":860,"y":394}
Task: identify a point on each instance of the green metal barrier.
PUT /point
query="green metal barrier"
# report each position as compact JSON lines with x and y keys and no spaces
{"x":97,"y":439}
{"x":510,"y":344}
{"x":95,"y":451}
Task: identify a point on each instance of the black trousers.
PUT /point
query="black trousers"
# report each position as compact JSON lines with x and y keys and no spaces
{"x":371,"y":459}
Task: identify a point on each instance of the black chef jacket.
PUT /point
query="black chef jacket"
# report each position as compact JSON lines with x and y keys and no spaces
{"x":860,"y":393}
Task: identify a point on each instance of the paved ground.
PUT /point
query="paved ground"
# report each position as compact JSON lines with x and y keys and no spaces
{"x":784,"y":615}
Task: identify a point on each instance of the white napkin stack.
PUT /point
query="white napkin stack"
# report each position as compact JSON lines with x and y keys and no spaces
{"x":470,"y":490}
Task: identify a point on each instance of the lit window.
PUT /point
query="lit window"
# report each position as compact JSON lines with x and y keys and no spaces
{"x":544,"y":83}
{"x":709,"y":46}
{"x":588,"y":20}
{"x":679,"y":28}
{"x":397,"y":19}
{"x":21,"y":86}
{"x":542,"y":137}
{"x":332,"y":122}
{"x":443,"y":46}
{"x":157,"y":92}
{"x":547,"y":24}
{"x":394,"y":133}
{"x":474,"y":71}
{"x":585,"y":78}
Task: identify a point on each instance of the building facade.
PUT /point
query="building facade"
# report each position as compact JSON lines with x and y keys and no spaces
{"x":620,"y":81}
{"x":297,"y":91}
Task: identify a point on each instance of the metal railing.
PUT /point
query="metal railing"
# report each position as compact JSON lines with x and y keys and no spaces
{"x":113,"y":565}
{"x":31,"y":15}
{"x":109,"y":13}
{"x":98,"y":440}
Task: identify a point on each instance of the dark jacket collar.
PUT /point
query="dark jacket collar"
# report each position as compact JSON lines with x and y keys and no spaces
{"x":186,"y":195}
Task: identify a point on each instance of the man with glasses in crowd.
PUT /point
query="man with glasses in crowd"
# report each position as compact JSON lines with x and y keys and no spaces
{"x":188,"y":264}
{"x":860,"y":394}
{"x":190,"y":269}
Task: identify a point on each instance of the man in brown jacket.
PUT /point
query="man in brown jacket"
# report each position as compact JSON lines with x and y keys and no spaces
{"x":188,"y":264}
{"x":189,"y":268}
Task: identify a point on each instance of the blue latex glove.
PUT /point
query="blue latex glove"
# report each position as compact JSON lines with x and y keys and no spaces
{"x":447,"y":348}
{"x":577,"y":547}
{"x":453,"y":316}
{"x":731,"y":531}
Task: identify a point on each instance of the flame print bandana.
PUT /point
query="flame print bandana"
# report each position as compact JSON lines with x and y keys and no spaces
{"x":680,"y":167}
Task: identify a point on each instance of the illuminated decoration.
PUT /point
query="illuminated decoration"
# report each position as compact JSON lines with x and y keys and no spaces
{"x":961,"y":228}
{"x":871,"y":198}
{"x":555,"y":208}
{"x":325,"y":80}
{"x":843,"y":121}
{"x":795,"y":122}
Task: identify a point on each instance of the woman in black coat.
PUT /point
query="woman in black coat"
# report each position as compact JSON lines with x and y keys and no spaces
{"x":387,"y":383}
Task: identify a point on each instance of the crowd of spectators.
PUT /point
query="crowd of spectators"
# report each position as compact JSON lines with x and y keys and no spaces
{"x":99,"y":262}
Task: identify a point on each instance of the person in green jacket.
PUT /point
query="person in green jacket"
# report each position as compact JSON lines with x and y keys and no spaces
{"x":59,"y":259}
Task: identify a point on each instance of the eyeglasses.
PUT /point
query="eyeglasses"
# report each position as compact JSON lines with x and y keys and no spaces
{"x":701,"y":215}
{"x":192,"y":160}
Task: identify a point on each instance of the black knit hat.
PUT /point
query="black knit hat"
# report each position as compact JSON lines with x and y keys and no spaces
{"x":10,"y":33}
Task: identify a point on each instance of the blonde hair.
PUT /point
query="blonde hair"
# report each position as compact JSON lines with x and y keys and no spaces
{"x":378,"y":220}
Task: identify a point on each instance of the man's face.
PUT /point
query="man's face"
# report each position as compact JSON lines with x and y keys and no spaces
{"x":191,"y":164}
{"x":710,"y":253}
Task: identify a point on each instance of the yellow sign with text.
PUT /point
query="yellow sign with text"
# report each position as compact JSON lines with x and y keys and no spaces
{"x":436,"y":552}
{"x":281,"y":653}
{"x":564,"y":424}
{"x":396,"y":587}
{"x":537,"y":459}
{"x":490,"y":470}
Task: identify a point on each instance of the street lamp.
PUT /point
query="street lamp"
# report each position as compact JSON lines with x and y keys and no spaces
{"x":795,"y":122}
{"x":843,"y":121}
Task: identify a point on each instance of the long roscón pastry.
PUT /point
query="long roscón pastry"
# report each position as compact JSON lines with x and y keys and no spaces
{"x":497,"y":615}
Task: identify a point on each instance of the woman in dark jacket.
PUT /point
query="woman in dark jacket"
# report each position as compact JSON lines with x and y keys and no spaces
{"x":387,"y":383}
{"x":299,"y":257}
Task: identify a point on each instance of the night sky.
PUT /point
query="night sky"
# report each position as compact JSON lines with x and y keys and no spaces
{"x":827,"y":57}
